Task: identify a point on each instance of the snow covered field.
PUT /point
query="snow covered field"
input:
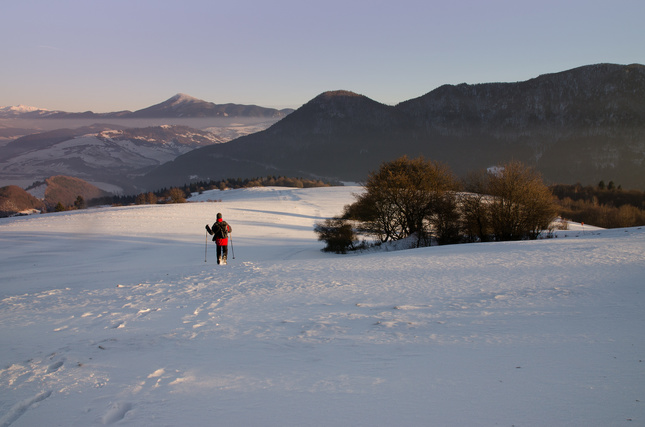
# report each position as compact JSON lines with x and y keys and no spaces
{"x":112,"y":316}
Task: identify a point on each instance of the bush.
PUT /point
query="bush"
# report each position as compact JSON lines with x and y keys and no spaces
{"x":146,"y":199}
{"x":337,"y":233}
{"x":176,"y":195}
{"x":79,"y":203}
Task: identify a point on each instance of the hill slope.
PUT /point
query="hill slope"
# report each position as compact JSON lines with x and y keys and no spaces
{"x":108,"y":155}
{"x":66,"y":189}
{"x":14,"y":199}
{"x":111,"y":316}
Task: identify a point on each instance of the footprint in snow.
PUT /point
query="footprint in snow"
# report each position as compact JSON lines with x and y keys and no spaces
{"x":54,"y":366}
{"x":116,"y":412}
{"x":21,"y":407}
{"x":118,"y":325}
{"x":145,"y":312}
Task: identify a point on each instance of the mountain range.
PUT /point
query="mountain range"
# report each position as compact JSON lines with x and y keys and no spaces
{"x":111,"y":156}
{"x":180,"y":105}
{"x":112,"y":149}
{"x":582,"y":125}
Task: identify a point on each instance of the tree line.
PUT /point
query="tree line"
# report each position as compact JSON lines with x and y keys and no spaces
{"x":607,"y":206}
{"x":180,"y":194}
{"x":423,"y":200}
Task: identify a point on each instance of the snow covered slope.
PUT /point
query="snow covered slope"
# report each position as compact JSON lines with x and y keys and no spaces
{"x":112,"y":316}
{"x":109,"y":157}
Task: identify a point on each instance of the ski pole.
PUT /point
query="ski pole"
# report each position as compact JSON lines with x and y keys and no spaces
{"x":206,"y":247}
{"x":232,"y":250}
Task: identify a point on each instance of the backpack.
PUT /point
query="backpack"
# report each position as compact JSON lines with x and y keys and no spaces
{"x":220,"y":230}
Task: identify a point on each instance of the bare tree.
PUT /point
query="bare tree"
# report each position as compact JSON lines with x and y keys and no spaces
{"x":404,"y":197}
{"x":176,"y":195}
{"x":474,"y":204}
{"x":521,"y":206}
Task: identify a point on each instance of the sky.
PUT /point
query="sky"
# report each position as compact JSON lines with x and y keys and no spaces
{"x":99,"y":55}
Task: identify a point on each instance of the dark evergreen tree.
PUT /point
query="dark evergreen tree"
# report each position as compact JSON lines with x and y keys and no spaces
{"x":79,"y":203}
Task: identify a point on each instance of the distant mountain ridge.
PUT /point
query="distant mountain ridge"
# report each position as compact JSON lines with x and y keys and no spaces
{"x":585,"y":97}
{"x":581,"y":125}
{"x":178,"y":106}
{"x":99,"y":153}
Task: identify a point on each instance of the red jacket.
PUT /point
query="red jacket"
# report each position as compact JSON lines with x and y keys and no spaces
{"x":224,"y":241}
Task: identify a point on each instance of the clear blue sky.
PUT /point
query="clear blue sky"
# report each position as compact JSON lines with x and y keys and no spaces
{"x":108,"y":55}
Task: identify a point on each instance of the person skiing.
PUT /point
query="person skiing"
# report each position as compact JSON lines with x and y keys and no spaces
{"x":220,"y":231}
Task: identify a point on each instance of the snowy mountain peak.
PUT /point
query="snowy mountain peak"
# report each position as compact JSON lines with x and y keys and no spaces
{"x":182,"y":98}
{"x":20,"y":109}
{"x":180,"y":105}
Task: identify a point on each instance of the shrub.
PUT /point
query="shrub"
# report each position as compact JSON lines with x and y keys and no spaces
{"x":79,"y":203}
{"x":337,"y":233}
{"x":176,"y":195}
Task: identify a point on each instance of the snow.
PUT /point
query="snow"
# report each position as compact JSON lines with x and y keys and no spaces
{"x":17,"y":109}
{"x":111,"y":316}
{"x":95,"y":154}
{"x":182,"y":98}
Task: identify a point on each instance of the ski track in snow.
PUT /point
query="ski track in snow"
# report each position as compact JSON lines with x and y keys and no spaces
{"x":107,"y":321}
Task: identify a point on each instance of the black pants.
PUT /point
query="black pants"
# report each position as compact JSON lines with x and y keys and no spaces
{"x":222,"y":250}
